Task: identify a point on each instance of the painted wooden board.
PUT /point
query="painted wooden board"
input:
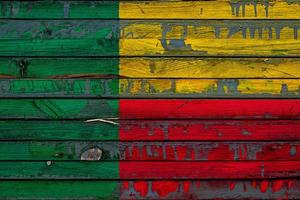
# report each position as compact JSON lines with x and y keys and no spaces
{"x":149,"y":170}
{"x":143,"y":189}
{"x":59,"y":68}
{"x":149,"y":38}
{"x":209,"y":38}
{"x":150,"y":88}
{"x":58,"y":108}
{"x":126,"y":67}
{"x":209,"y":109}
{"x":151,"y":130}
{"x":198,"y":67}
{"x":216,"y":9}
{"x":147,"y":151}
{"x":59,"y":9}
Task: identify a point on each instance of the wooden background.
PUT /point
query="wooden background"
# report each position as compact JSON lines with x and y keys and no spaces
{"x":149,"y":99}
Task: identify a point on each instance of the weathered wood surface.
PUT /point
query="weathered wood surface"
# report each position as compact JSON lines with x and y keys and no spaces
{"x":151,"y":130}
{"x":150,"y":88}
{"x":149,"y":38}
{"x":151,"y":170}
{"x":147,"y":151}
{"x":216,"y":9}
{"x":209,"y":109}
{"x":58,"y":109}
{"x":59,"y":9}
{"x":141,"y":189}
{"x":176,"y":67}
{"x":61,"y":68}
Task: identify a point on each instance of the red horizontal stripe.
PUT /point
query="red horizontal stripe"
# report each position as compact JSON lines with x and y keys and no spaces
{"x":209,"y":170}
{"x":209,"y":130}
{"x":209,"y":109}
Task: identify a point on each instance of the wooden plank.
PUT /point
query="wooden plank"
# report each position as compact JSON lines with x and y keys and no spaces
{"x":209,"y":109}
{"x":209,"y":38}
{"x":151,"y":170}
{"x":59,"y":38}
{"x":58,"y":109}
{"x":189,"y":67}
{"x":208,"y":88}
{"x":149,"y":88}
{"x":149,"y":38}
{"x":195,"y":67}
{"x":147,"y":151}
{"x":57,"y":130}
{"x":59,"y":9}
{"x":151,"y":130}
{"x":143,"y":189}
{"x":57,"y":68}
{"x":199,"y":130}
{"x":216,"y":9}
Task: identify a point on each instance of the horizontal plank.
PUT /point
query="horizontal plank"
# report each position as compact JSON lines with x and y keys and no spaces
{"x":58,"y":108}
{"x":209,"y":109}
{"x":151,"y":170}
{"x":150,"y":88}
{"x":210,"y":38}
{"x":143,"y":189}
{"x":149,"y":38}
{"x":59,"y":9}
{"x":57,"y":130}
{"x":151,"y":130}
{"x":58,"y":68}
{"x":195,"y":67}
{"x":206,"y":88}
{"x":147,"y":151}
{"x":216,"y":9}
{"x":189,"y":67}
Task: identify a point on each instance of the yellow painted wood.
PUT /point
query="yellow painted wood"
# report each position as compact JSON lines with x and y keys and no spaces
{"x":209,"y":67}
{"x":233,"y":87}
{"x":216,"y":9}
{"x":209,"y":38}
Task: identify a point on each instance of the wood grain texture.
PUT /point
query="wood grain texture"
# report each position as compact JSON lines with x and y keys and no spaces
{"x":216,"y":9}
{"x":59,"y":9}
{"x":209,"y":109}
{"x":195,"y":67}
{"x":212,"y":130}
{"x":143,"y":189}
{"x":58,"y":109}
{"x":209,"y":38}
{"x":58,"y":68}
{"x":147,"y":151}
{"x":148,"y":170}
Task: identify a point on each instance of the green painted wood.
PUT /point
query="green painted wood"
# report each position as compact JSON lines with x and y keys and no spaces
{"x":58,"y":109}
{"x":59,"y":9}
{"x":57,"y":130}
{"x":59,"y":170}
{"x":59,"y":88}
{"x":60,"y":190}
{"x":59,"y":38}
{"x":58,"y":67}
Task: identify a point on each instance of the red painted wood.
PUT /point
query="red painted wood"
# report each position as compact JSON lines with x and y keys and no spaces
{"x":209,"y":170}
{"x":211,"y":189}
{"x":227,"y":151}
{"x":209,"y":109}
{"x":156,"y":130}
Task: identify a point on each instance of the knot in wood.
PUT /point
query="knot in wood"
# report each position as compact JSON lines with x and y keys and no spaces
{"x":92,"y":154}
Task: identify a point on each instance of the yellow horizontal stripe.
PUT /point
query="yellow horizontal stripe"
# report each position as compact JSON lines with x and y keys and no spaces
{"x":218,"y":9}
{"x":209,"y":67}
{"x":221,"y":87}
